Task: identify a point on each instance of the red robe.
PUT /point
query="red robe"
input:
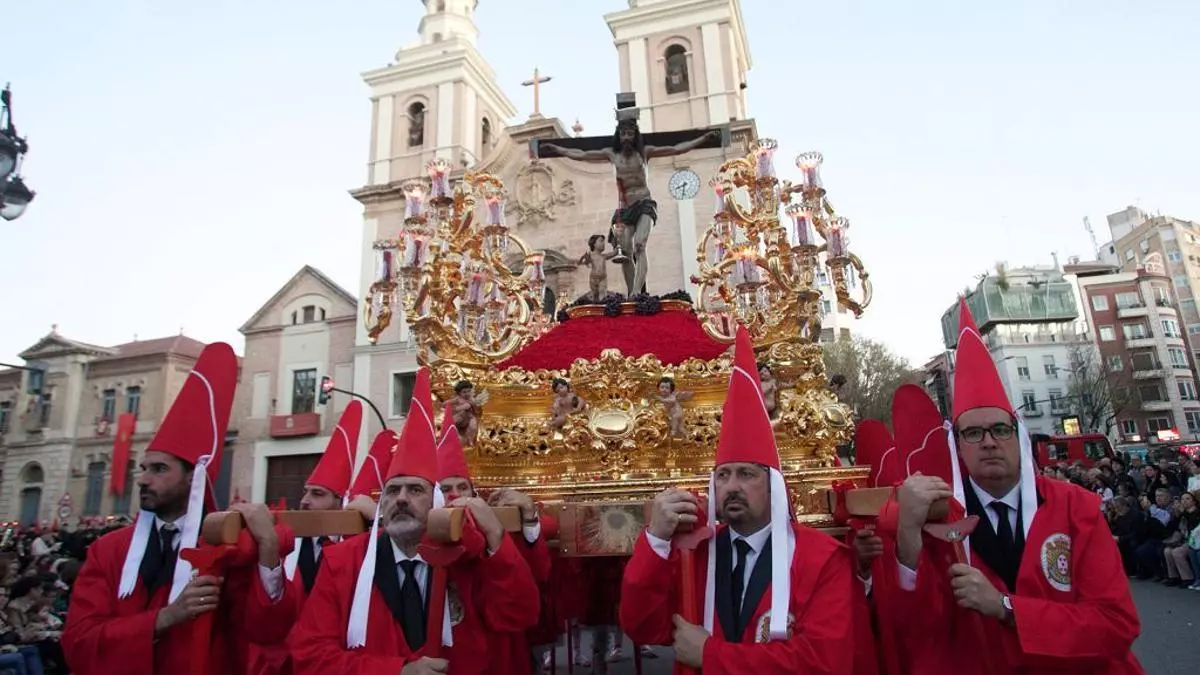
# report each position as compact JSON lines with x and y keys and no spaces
{"x":1072,"y":607}
{"x":105,"y":635}
{"x":496,"y":593}
{"x":823,"y":593}
{"x":276,"y":658}
{"x":510,"y":649}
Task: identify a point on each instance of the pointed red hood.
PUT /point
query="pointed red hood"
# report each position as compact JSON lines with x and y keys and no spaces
{"x":451,"y":460}
{"x":872,"y":441}
{"x":921,"y":443}
{"x":369,"y":480}
{"x":746,"y":433}
{"x":417,"y":455}
{"x":977,"y":383}
{"x":196,"y":423}
{"x":337,"y":464}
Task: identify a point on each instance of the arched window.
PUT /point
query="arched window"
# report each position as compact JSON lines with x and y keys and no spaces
{"x":485,"y":134}
{"x":32,"y":473}
{"x":416,"y":125}
{"x":677,"y":71}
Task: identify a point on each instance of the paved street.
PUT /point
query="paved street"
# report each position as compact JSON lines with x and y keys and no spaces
{"x":1170,"y":631}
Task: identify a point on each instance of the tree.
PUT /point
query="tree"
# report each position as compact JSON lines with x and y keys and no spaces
{"x":1097,"y":394}
{"x":873,"y":373}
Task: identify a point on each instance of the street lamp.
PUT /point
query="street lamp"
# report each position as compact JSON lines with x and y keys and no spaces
{"x":14,"y":195}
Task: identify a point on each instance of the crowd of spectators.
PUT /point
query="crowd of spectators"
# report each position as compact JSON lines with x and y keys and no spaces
{"x":1153,"y":510}
{"x":37,"y":568}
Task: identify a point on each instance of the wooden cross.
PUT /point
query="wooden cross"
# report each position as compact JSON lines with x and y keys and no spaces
{"x":535,"y":82}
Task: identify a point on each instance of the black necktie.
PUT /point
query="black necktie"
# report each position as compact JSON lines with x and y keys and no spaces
{"x":739,"y":581}
{"x":413,"y":606}
{"x":162,"y":569}
{"x":1004,"y":531}
{"x":308,"y":563}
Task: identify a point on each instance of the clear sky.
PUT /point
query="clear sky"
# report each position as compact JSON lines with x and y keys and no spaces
{"x":190,"y":157}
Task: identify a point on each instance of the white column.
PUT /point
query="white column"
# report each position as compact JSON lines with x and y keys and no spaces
{"x":714,"y":75}
{"x":639,"y":80}
{"x":367,"y":276}
{"x":446,"y":119}
{"x":687,"y":243}
{"x":470,"y":120}
{"x":381,"y":168}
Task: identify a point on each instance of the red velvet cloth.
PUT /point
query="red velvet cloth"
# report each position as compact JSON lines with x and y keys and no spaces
{"x":673,"y":337}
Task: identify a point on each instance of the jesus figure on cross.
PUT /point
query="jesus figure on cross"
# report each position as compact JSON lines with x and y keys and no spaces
{"x":638,"y":211}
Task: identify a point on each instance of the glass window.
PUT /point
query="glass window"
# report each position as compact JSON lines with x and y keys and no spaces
{"x":304,"y":391}
{"x":1022,"y":368}
{"x":310,"y":313}
{"x":1028,"y":400}
{"x":1150,"y":392}
{"x":1144,"y":361}
{"x":1171,"y":328}
{"x":1049,"y":368}
{"x":5,"y":416}
{"x":1129,"y":255}
{"x":1180,"y":280}
{"x":1107,"y":334}
{"x":1134,"y":331}
{"x":1129,"y":427}
{"x":1193,"y":421}
{"x":1057,"y":402}
{"x":108,"y":406}
{"x":133,"y":399}
{"x":1174,"y":256}
{"x":1177,"y":357}
{"x":1115,"y":363}
{"x":1128,"y":300}
{"x":1095,"y":450}
{"x":1100,"y":303}
{"x":1187,"y":390}
{"x":1158,"y":424}
{"x":402,"y":391}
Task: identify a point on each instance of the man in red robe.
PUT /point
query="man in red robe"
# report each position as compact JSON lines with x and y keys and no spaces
{"x":368,"y":612}
{"x":1044,"y":591}
{"x":326,"y":489}
{"x":778,"y":597}
{"x":133,"y":602}
{"x":511,"y":654}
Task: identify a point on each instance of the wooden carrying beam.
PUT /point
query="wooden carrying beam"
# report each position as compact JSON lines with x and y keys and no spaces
{"x":868,"y":502}
{"x":224,"y":527}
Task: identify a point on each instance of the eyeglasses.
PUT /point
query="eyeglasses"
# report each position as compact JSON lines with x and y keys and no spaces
{"x":999,"y":431}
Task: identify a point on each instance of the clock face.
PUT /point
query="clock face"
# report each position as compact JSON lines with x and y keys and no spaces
{"x":684,"y":184}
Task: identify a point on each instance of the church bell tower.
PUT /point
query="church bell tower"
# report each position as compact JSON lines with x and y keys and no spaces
{"x":686,"y":60}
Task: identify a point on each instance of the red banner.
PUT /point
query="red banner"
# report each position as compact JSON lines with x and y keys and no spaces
{"x":122,"y":446}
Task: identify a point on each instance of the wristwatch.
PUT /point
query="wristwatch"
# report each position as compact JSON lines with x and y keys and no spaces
{"x":1006,"y":602}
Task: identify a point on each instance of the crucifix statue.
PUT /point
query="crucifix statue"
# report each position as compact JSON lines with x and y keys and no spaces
{"x":628,"y":150}
{"x":536,"y":82}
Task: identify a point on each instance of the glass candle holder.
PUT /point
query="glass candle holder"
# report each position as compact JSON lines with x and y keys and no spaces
{"x":809,"y":164}
{"x":439,"y":179}
{"x":801,"y":223}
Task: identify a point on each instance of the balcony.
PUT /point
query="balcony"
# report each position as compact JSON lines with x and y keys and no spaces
{"x":1132,"y":311}
{"x":1181,"y":371}
{"x":296,"y":425}
{"x":1156,"y":373}
{"x":1140,"y":343}
{"x":1156,"y":406}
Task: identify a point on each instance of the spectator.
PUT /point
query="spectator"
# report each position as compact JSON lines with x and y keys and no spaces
{"x":1157,"y":479}
{"x":1128,"y":528}
{"x":1193,"y":484}
{"x":28,"y":615}
{"x":1096,"y":483}
{"x":1180,"y":570}
{"x":1136,"y":473}
{"x":1160,"y":526}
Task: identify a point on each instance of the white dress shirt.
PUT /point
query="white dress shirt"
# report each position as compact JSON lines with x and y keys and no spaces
{"x":908,"y":577}
{"x":756,"y":541}
{"x":421,"y":571}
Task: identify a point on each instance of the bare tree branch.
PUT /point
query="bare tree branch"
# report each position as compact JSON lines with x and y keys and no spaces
{"x":873,"y":373}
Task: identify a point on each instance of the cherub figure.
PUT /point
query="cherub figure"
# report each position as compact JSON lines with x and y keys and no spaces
{"x":467,"y":407}
{"x":566,"y":403}
{"x":671,"y":400}
{"x":770,"y":389}
{"x":597,"y":259}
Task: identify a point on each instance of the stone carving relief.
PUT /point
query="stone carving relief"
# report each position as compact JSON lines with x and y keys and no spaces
{"x":534,"y":196}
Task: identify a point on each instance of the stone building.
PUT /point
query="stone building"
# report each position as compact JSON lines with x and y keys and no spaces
{"x":58,"y":416}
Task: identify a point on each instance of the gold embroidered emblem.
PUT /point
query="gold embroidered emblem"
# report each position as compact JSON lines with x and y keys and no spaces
{"x":763,"y":635}
{"x":1056,"y":561}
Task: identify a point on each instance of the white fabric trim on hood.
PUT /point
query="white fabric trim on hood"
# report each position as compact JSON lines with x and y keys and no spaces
{"x":292,"y":559}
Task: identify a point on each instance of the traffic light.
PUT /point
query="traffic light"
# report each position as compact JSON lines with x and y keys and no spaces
{"x":326,"y":389}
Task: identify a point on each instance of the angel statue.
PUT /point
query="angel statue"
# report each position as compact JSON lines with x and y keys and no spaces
{"x":566,"y":403}
{"x":467,"y":407}
{"x":671,"y":400}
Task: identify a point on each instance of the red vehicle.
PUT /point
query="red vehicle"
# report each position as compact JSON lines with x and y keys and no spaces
{"x":1086,"y":448}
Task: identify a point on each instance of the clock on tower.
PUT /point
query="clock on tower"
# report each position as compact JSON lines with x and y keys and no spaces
{"x":684,"y":184}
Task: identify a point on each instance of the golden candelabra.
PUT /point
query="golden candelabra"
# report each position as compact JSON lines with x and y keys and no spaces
{"x":447,"y":271}
{"x":754,"y":272}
